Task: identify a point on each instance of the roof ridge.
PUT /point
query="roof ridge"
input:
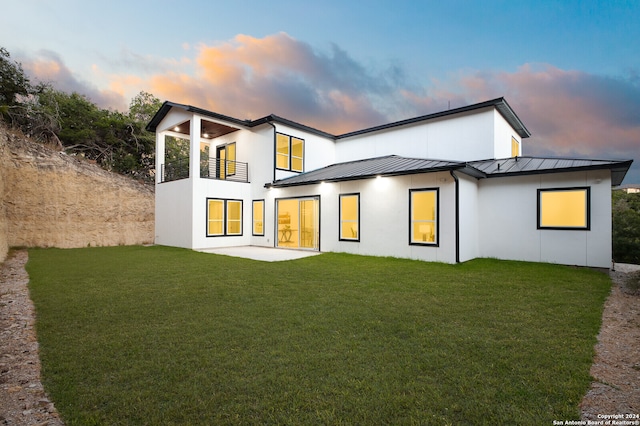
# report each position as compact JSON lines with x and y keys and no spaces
{"x":500,"y":104}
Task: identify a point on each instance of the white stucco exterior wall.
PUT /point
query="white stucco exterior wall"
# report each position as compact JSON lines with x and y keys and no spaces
{"x":465,"y":137}
{"x":384,"y":216}
{"x":503,"y":133}
{"x":174,"y":214}
{"x":508,"y":220}
{"x":469,"y":221}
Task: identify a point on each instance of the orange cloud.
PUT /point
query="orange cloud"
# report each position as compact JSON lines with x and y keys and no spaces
{"x":251,"y":77}
{"x":48,"y":67}
{"x":569,"y":112}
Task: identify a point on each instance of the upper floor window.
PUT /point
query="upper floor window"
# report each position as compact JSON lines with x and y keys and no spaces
{"x":289,"y":153}
{"x":515,"y":147}
{"x":423,"y":208}
{"x":564,"y":208}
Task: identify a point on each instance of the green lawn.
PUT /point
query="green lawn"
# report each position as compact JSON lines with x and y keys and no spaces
{"x":157,"y":335}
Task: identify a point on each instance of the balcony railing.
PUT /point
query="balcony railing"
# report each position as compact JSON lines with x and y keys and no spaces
{"x":175,"y":170}
{"x":214,"y":168}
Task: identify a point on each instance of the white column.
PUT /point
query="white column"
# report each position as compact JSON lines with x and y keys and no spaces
{"x":194,"y":148}
{"x":159,"y":155}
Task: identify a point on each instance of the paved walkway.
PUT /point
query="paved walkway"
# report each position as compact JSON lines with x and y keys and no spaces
{"x":625,"y":267}
{"x":266,"y":254}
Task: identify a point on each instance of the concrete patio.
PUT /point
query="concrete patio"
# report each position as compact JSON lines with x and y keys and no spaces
{"x":266,"y":254}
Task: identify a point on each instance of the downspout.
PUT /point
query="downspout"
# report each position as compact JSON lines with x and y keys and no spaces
{"x":455,"y":178}
{"x":275,"y":219}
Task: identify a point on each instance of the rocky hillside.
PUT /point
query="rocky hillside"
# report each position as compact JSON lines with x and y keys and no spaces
{"x":49,"y":199}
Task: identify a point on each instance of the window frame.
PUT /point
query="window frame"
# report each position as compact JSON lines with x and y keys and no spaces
{"x":208,"y":220}
{"x":436,"y":242}
{"x":228,"y":220}
{"x":225,"y":219}
{"x":587,"y":201}
{"x":289,"y":154}
{"x":341,"y":221}
{"x":253,"y":218}
{"x":226,"y":166}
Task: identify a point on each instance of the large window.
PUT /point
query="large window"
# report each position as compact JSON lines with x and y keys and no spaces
{"x":289,"y":153}
{"x":423,"y":208}
{"x":224,"y":217}
{"x":350,"y":217}
{"x":564,"y":208}
{"x":258,"y":217}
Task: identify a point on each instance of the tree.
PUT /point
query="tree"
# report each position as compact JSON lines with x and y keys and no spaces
{"x":143,"y":107}
{"x":141,"y":110}
{"x":115,"y":140}
{"x":626,"y":227}
{"x":13,"y":81}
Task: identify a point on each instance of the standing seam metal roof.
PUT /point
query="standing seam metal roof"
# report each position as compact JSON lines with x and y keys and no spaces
{"x":393,"y":165}
{"x":362,"y":169}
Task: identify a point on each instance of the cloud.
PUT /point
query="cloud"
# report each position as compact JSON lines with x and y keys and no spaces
{"x":47,"y":67}
{"x":250,"y":77}
{"x":569,"y":112}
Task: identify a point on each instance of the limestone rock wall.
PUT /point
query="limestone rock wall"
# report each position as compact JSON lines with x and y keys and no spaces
{"x":50,"y":199}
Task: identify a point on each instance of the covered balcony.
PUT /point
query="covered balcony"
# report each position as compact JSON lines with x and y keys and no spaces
{"x":216,"y":161}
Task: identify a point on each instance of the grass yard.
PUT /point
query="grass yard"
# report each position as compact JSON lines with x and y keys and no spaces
{"x":158,"y":335}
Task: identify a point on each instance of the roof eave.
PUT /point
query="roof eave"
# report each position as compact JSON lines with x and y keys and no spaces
{"x":618,"y":171}
{"x":276,"y":184}
{"x":499,"y":103}
{"x":167,"y":106}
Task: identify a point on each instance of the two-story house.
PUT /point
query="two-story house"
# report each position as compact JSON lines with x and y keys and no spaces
{"x":448,"y":187}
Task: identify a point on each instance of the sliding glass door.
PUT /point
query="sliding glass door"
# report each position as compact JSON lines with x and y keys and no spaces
{"x":298,"y":223}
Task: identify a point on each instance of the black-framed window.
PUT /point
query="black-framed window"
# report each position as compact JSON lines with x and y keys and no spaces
{"x":258,"y":217}
{"x":349,"y":217}
{"x":289,"y":153}
{"x":424,"y":216}
{"x":224,"y":217}
{"x":564,"y":208}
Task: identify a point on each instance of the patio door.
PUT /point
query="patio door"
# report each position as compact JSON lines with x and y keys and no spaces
{"x":221,"y":160}
{"x":298,"y":223}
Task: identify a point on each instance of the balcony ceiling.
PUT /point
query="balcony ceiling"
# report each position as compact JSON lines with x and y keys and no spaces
{"x":214,"y":130}
{"x":209,"y":129}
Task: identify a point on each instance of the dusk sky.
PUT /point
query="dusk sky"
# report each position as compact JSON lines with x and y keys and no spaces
{"x":570,"y":69}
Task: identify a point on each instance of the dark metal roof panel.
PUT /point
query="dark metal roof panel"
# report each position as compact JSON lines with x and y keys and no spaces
{"x":393,"y":165}
{"x":361,"y":169}
{"x":538,"y":165}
